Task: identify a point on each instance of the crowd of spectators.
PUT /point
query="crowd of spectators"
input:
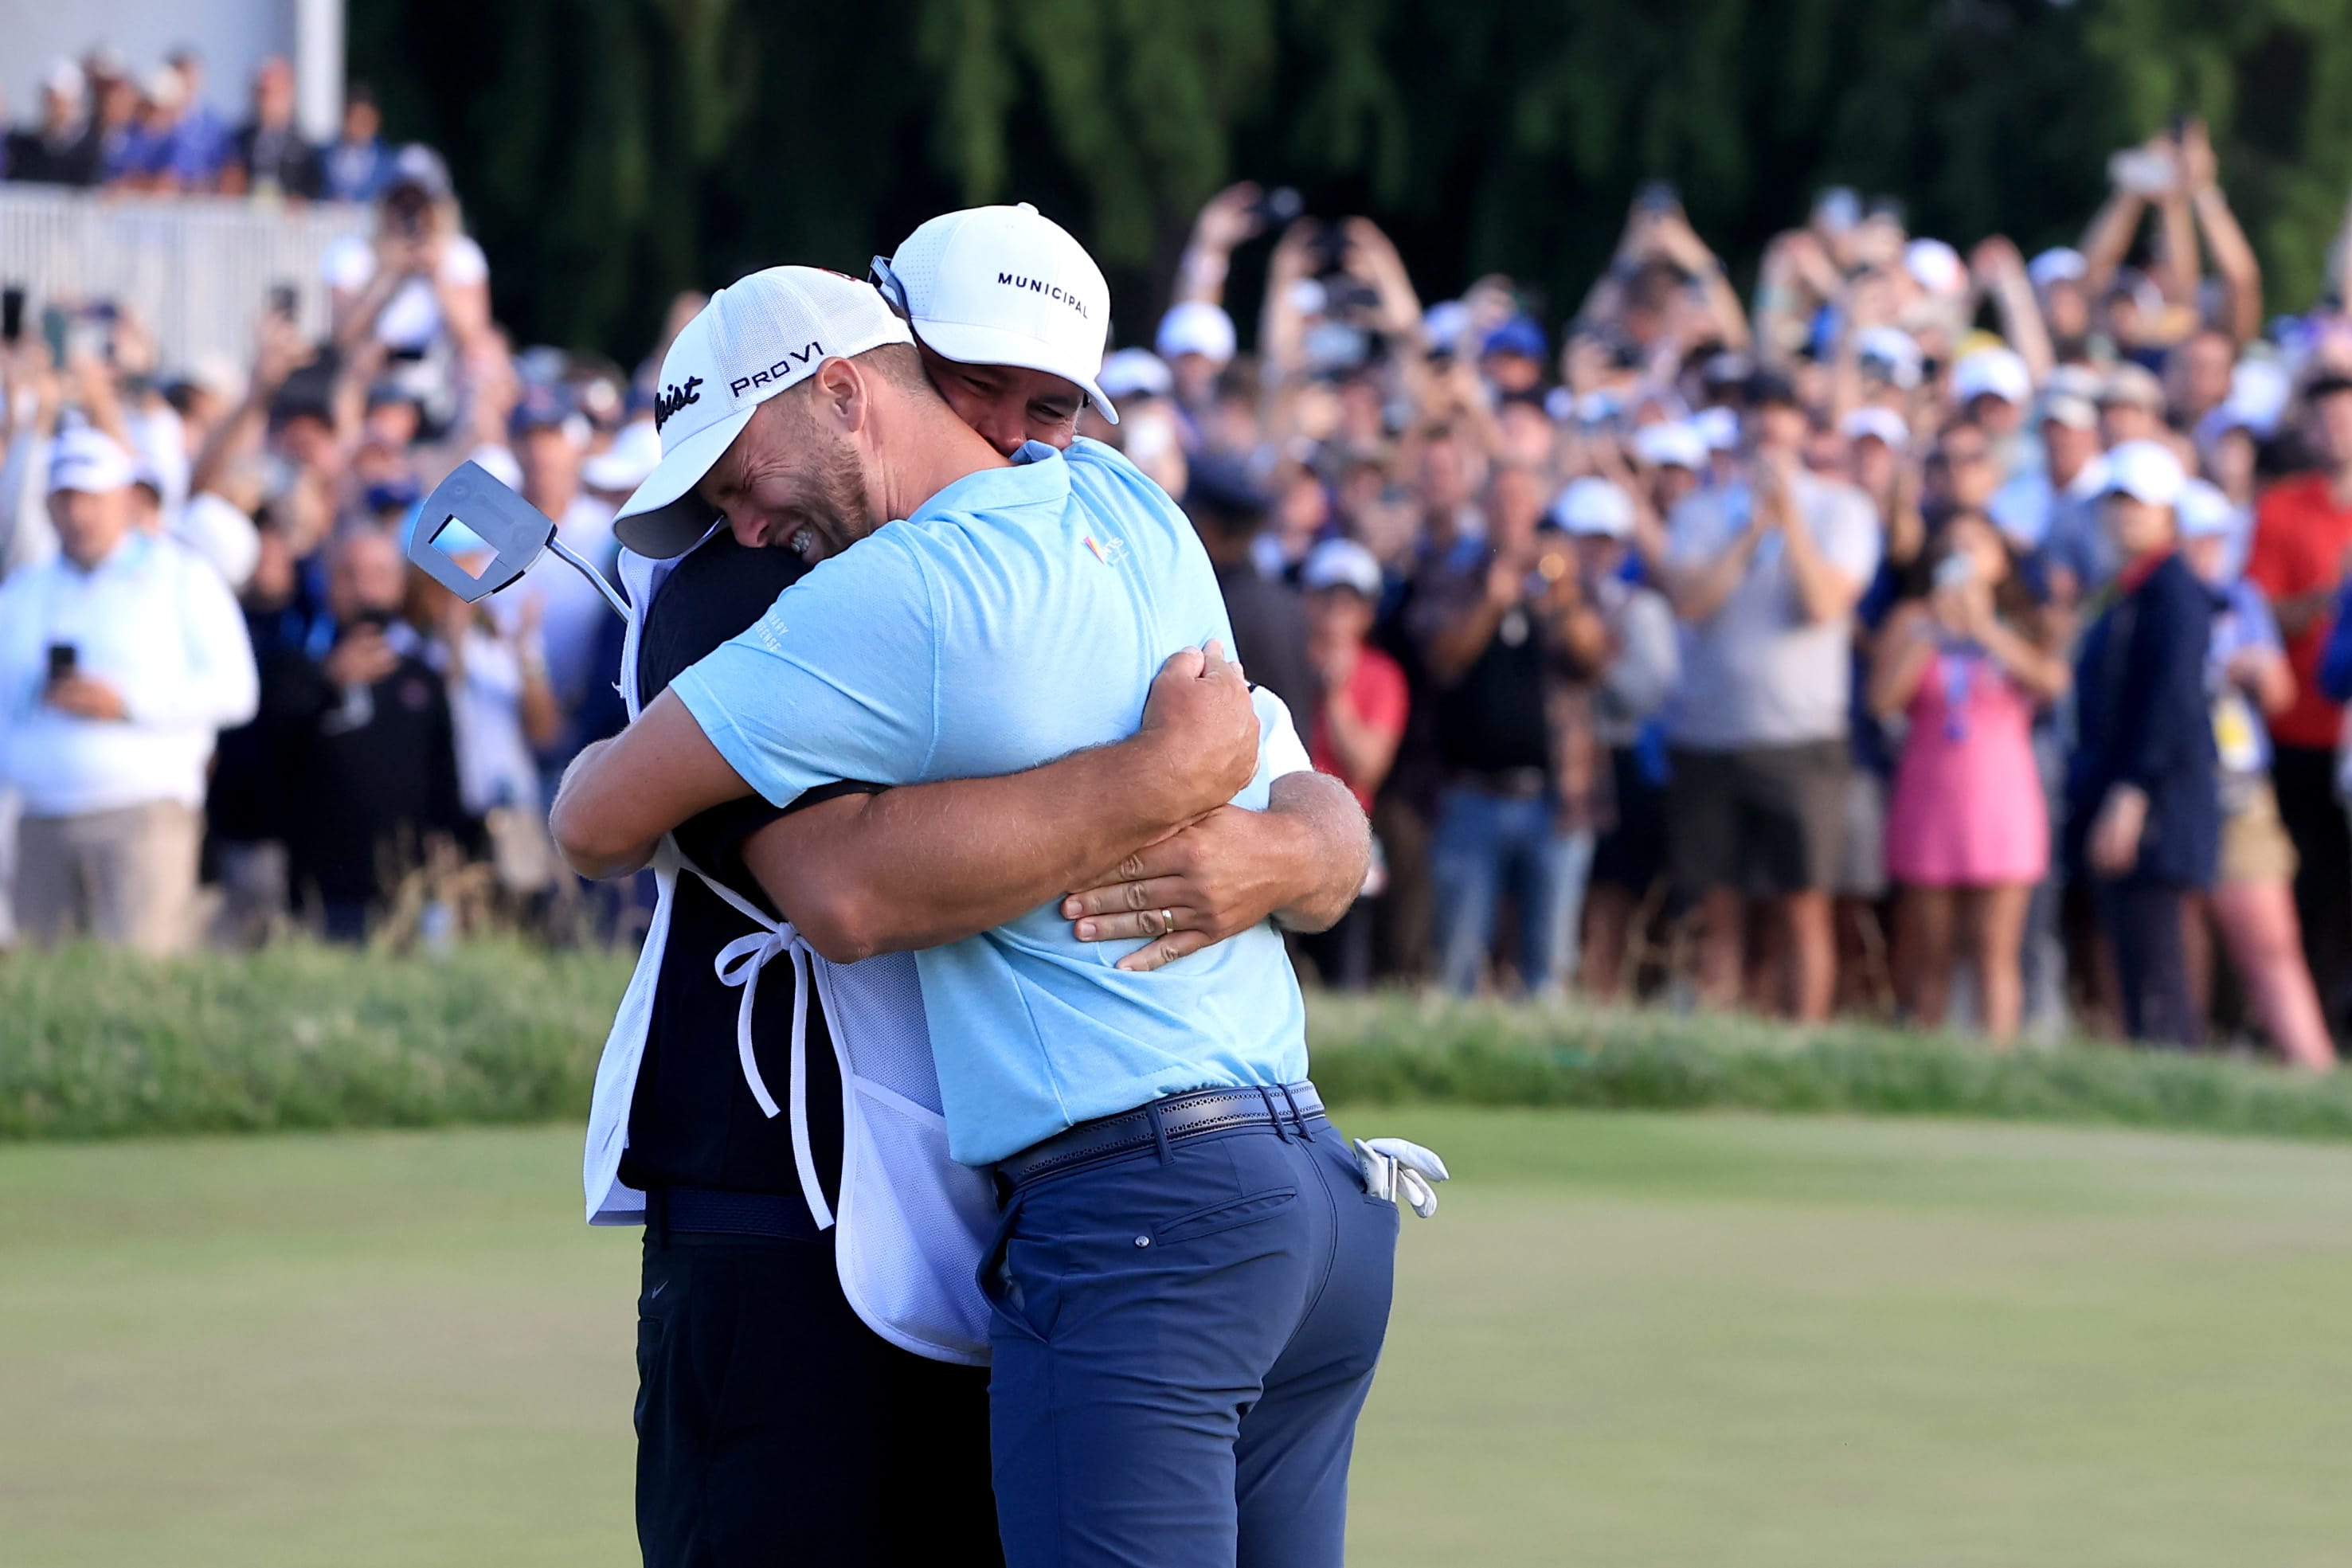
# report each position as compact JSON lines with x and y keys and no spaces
{"x":1956,"y":638}
{"x":101,"y":123}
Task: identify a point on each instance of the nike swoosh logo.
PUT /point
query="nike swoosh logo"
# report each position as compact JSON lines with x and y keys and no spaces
{"x":658,"y":1290}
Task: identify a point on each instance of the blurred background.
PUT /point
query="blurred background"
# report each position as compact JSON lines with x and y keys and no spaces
{"x":1816,"y":530}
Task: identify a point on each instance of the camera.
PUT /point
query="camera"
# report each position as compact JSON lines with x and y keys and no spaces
{"x":1278,"y":208}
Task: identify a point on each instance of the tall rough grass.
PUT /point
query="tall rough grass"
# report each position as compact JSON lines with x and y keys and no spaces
{"x":97,"y":1044}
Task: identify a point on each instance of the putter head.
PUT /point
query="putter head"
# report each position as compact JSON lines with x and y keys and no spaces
{"x":512,"y":530}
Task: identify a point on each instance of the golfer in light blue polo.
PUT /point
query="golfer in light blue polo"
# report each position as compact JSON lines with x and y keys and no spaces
{"x":1192,"y":1283}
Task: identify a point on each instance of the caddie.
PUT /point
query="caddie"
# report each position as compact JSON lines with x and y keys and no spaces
{"x":1191,"y":1279}
{"x":837,"y":1385}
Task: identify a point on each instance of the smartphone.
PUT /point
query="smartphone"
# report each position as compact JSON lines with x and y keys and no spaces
{"x":12,"y":313}
{"x":285,"y":300}
{"x":63,"y":657}
{"x":1278,"y":208}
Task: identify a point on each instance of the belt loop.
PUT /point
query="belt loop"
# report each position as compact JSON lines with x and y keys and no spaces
{"x":1159,"y":1130}
{"x":1273,"y":1116}
{"x":1296,"y":1119}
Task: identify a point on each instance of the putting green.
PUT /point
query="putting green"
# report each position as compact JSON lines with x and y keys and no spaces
{"x":1627,"y":1340}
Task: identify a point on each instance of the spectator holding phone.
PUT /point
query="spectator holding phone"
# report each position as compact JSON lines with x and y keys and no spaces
{"x":121,"y":660}
{"x":1765,"y":573}
{"x":1967,"y":659}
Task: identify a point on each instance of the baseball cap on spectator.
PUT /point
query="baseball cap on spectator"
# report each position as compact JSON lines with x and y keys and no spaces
{"x":1004,"y":285}
{"x":418,"y":165}
{"x":1136,"y":372}
{"x":2071,"y":409}
{"x":1227,"y":485}
{"x":1991,"y":372}
{"x":1670,"y":444}
{"x":2259,"y":393}
{"x":1890,"y":354}
{"x":760,"y":335}
{"x":65,"y":79}
{"x":89,"y":460}
{"x":1872,"y":423}
{"x":1521,"y":335}
{"x":1765,"y":387}
{"x":1727,"y":369}
{"x":1935,"y":267}
{"x":2203,"y":510}
{"x":540,"y":408}
{"x":2059,"y":264}
{"x":1718,"y":427}
{"x":1593,"y":505}
{"x":623,"y":465}
{"x":500,"y":464}
{"x":2145,"y":471}
{"x":1445,"y":324}
{"x":1196,"y":327}
{"x":2132,"y":385}
{"x":392,"y":495}
{"x":164,"y":87}
{"x":1341,"y":563}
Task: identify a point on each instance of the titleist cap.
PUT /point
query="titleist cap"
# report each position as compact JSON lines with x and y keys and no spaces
{"x":758,"y":336}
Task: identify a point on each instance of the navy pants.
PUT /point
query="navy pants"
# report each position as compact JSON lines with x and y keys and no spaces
{"x":1182,"y":1343}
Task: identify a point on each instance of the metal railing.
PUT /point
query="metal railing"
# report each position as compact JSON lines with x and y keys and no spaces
{"x":197,"y":269}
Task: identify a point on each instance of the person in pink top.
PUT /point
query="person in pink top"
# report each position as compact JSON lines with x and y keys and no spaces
{"x":1966,"y":661}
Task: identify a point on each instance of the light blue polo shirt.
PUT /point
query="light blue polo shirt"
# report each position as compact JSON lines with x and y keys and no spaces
{"x":1019,"y":616}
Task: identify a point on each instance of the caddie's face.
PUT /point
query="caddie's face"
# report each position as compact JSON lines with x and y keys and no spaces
{"x":791,"y":481}
{"x":1008,"y":404}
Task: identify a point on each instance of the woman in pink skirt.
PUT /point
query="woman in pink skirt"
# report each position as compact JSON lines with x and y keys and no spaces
{"x":1967,"y":660}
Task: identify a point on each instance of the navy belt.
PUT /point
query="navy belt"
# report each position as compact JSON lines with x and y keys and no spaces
{"x":1177,"y":1116}
{"x":706,"y":1211}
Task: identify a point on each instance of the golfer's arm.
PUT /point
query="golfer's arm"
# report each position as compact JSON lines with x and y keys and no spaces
{"x":620,"y":796}
{"x":1319,"y":847}
{"x":926,"y":865}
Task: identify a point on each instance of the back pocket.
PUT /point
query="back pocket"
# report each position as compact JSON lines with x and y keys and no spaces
{"x":1224,"y":1216}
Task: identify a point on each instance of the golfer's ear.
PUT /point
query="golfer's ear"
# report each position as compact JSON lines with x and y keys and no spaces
{"x":839,"y":392}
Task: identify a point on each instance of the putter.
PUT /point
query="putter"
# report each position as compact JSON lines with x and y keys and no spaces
{"x":515,"y":532}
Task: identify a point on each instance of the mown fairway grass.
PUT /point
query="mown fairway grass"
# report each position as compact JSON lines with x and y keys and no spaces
{"x":1628,"y":1339}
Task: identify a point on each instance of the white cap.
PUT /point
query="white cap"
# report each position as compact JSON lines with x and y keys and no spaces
{"x":1137,"y":372}
{"x":1005,"y":286}
{"x":1593,"y":506}
{"x":164,"y":87}
{"x":498,"y":461}
{"x":2145,"y":471}
{"x":2202,"y":509}
{"x":65,"y":79}
{"x":758,"y":336}
{"x":622,"y":466}
{"x":1935,"y":267}
{"x":1873,"y":423}
{"x":1445,"y":324}
{"x":1895,"y":349}
{"x":1996,"y":373}
{"x":1718,"y":427}
{"x":1341,"y":563}
{"x":1670,"y":444}
{"x":2059,"y":264}
{"x":1196,"y":327}
{"x":91,"y":460}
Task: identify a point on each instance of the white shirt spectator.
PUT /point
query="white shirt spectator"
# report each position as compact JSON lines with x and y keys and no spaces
{"x":495,"y":766}
{"x":411,"y":319}
{"x":157,"y":623}
{"x":576,"y":613}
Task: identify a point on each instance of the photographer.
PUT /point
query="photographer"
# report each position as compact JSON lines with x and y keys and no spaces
{"x":364,"y":742}
{"x":1502,"y":624}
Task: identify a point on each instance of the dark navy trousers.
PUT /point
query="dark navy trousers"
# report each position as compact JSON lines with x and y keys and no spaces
{"x":1182,"y":1342}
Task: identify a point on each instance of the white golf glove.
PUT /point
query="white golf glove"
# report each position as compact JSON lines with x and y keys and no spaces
{"x":1395,"y":1168}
